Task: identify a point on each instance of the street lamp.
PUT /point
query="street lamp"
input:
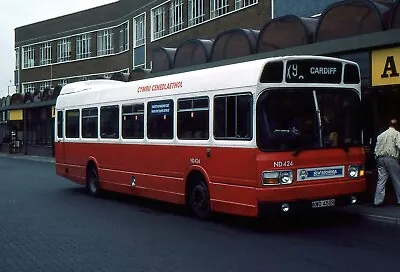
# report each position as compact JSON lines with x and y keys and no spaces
{"x":8,"y":88}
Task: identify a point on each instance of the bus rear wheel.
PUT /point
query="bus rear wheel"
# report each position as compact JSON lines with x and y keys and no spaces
{"x":92,"y":181}
{"x":199,"y":199}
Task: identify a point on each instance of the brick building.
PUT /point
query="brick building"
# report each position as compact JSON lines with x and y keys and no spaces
{"x":120,"y":37}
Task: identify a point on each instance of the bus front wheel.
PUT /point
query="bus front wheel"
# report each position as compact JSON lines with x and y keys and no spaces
{"x":92,"y":181}
{"x":199,"y":198}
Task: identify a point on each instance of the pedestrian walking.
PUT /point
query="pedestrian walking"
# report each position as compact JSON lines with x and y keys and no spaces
{"x":387,"y":152}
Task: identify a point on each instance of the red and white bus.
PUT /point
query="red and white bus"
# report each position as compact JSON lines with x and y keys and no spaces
{"x":274,"y":134}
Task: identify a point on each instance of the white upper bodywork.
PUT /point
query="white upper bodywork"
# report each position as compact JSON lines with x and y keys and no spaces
{"x":245,"y":75}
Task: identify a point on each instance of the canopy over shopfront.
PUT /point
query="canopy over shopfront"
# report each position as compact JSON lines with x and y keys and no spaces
{"x":287,"y":31}
{"x":351,"y":18}
{"x":193,"y":52}
{"x":237,"y":42}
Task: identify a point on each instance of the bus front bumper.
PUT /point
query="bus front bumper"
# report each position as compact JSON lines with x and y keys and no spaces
{"x":311,"y":197}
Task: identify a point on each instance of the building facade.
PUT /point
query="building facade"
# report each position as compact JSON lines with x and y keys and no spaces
{"x":98,"y":43}
{"x":120,"y":36}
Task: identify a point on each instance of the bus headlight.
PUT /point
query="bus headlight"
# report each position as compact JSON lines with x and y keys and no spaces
{"x":286,"y":177}
{"x":277,"y":177}
{"x":356,"y":170}
{"x":270,"y":178}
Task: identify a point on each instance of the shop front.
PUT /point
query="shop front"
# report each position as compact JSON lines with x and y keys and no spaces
{"x":381,"y":103}
{"x":27,"y":125}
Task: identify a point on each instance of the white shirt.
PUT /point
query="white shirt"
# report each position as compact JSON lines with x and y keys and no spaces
{"x":388,"y":144}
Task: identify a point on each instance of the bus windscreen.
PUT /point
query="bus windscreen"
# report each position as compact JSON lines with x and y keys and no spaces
{"x":299,"y":119}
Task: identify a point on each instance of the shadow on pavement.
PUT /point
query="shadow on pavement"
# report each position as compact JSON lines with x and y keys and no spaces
{"x":327,"y":218}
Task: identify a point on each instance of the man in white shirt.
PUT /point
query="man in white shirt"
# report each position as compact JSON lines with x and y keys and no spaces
{"x":387,"y":151}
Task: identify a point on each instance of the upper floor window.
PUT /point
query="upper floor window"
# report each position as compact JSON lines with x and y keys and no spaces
{"x":28,"y":55}
{"x":176,"y":16}
{"x":105,"y":45}
{"x":28,"y":87}
{"x":44,"y":85}
{"x":158,"y":22}
{"x":63,"y":82}
{"x":244,"y":3}
{"x":218,"y":8}
{"x":83,"y":46}
{"x":140,"y":30}
{"x":64,"y":50}
{"x":195,"y":12}
{"x":16,"y":58}
{"x":123,"y":37}
{"x":45,"y":54}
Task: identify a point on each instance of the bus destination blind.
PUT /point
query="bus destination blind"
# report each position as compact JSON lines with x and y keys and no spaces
{"x":313,"y":71}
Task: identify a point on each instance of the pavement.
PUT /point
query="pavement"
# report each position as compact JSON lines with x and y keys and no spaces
{"x":386,"y":214}
{"x":49,"y":224}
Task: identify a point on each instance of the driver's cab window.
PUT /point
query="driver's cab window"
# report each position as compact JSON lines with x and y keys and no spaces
{"x":288,"y":120}
{"x":340,"y":118}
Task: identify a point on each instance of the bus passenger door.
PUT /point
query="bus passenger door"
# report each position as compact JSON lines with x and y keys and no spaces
{"x":59,"y":139}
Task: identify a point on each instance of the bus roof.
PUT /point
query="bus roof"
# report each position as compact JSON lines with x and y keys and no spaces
{"x":238,"y":75}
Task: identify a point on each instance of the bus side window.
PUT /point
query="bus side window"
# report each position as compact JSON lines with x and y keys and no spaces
{"x":193,"y":118}
{"x":133,"y":121}
{"x":160,"y":119}
{"x":72,"y":124}
{"x":109,"y":122}
{"x":233,"y":117}
{"x":60,"y":124}
{"x":89,"y":123}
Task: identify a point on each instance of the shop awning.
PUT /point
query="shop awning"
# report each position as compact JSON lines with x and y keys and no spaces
{"x":162,"y":59}
{"x":286,"y":31}
{"x":352,"y":18}
{"x":237,"y":42}
{"x":192,"y":52}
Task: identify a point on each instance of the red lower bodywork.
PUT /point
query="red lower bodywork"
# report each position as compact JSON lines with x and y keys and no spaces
{"x":233,"y":175}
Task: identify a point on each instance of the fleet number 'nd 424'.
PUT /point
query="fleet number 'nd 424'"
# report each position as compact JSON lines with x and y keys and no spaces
{"x":194,"y":160}
{"x":283,"y":163}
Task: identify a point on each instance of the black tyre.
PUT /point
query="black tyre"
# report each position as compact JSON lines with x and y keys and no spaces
{"x":92,"y":181}
{"x":199,"y":199}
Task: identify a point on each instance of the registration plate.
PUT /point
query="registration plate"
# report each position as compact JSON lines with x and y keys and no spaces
{"x":323,"y":203}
